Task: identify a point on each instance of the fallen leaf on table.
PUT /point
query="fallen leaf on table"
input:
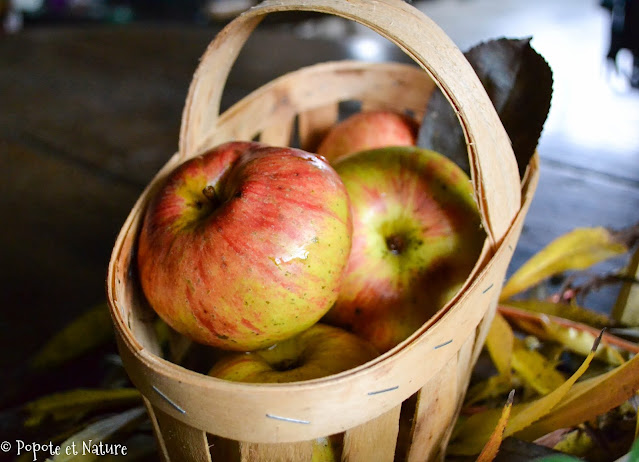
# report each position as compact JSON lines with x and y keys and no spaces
{"x":574,"y":336}
{"x":499,"y":344}
{"x":626,"y":307}
{"x":492,"y":387}
{"x":74,"y":404}
{"x":564,"y":310}
{"x":535,"y":369}
{"x":588,"y":399}
{"x":579,"y":249}
{"x":89,"y":330}
{"x":473,"y":433}
{"x":494,"y":442}
{"x":593,"y":443}
{"x":578,"y":341}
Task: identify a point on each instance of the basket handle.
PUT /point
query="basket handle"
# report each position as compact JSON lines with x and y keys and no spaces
{"x":493,"y":166}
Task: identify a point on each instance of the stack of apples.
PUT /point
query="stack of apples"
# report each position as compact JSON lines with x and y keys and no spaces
{"x":303,"y":265}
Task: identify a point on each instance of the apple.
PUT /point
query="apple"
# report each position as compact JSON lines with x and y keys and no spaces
{"x":320,"y":351}
{"x":245,"y":245}
{"x":327,"y":449}
{"x":416,"y":236}
{"x":368,"y":130}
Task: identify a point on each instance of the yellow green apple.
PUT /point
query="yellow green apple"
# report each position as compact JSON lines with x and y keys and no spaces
{"x":320,"y":351}
{"x":327,"y":449}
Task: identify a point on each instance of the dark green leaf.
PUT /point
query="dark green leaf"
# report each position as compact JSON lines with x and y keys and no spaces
{"x":519,"y":83}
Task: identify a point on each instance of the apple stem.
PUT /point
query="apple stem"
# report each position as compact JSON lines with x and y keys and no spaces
{"x":210,"y":193}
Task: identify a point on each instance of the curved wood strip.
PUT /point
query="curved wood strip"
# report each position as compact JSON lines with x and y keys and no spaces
{"x":493,"y":165}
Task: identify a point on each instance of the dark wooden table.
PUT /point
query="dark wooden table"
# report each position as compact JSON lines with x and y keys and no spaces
{"x":88,"y":115}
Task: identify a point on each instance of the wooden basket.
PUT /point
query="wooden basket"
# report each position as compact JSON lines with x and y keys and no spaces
{"x":277,"y":422}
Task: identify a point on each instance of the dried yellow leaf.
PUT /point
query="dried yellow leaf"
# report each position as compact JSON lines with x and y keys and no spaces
{"x":571,"y":312}
{"x":579,"y":341}
{"x":535,"y":369}
{"x":626,"y":307}
{"x":474,"y":432}
{"x":492,"y":387}
{"x":588,"y":399}
{"x":578,"y":249}
{"x":575,"y":336}
{"x":499,"y":343}
{"x":576,"y":443}
{"x":494,"y":442}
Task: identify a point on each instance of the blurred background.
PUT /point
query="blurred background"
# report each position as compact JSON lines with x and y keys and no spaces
{"x":91,"y":94}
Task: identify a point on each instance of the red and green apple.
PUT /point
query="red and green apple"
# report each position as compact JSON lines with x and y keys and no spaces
{"x":368,"y":130}
{"x":245,"y":245}
{"x":416,"y":236}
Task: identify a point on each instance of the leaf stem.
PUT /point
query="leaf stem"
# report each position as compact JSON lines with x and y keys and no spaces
{"x":609,"y":339}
